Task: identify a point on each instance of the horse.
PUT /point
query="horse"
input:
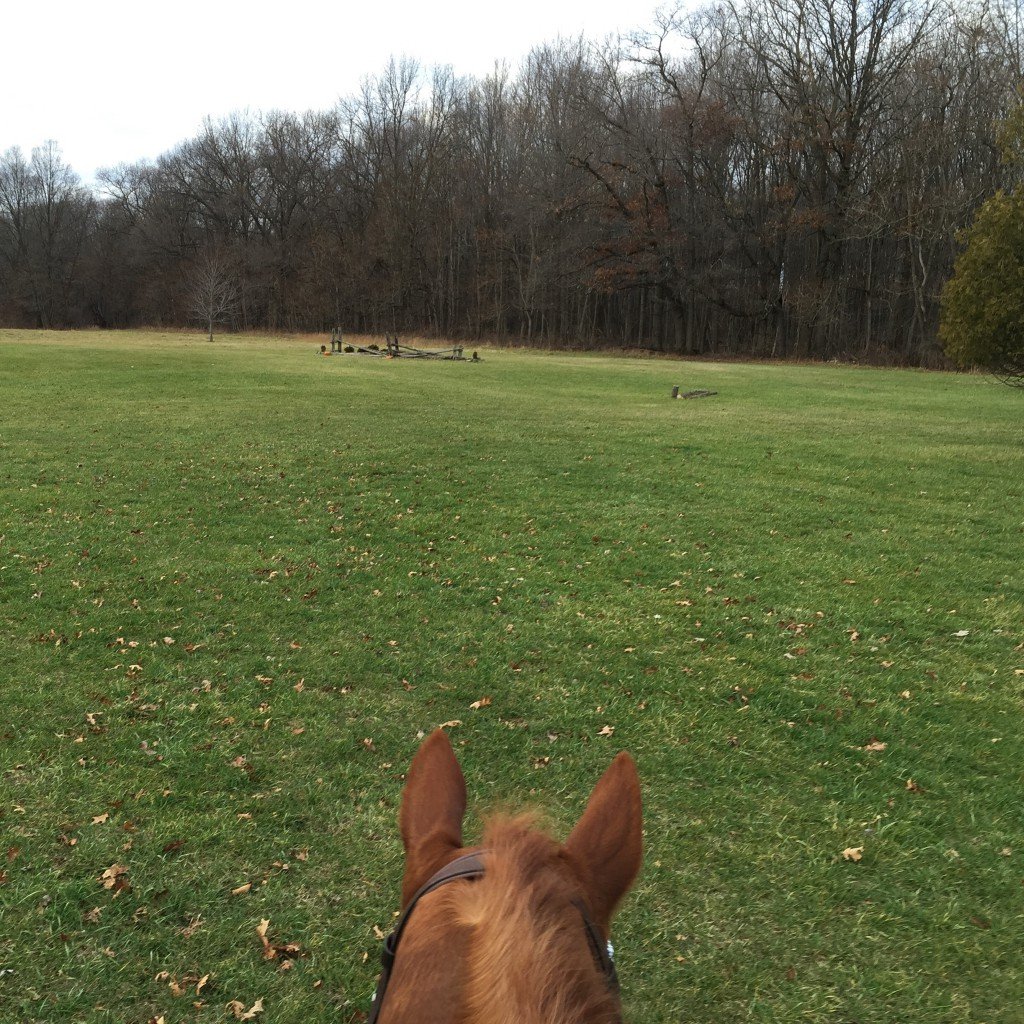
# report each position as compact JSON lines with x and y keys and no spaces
{"x":515,"y":930}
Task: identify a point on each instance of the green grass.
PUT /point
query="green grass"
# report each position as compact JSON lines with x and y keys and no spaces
{"x":750,"y":589}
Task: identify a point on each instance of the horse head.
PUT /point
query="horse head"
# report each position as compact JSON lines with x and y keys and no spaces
{"x":515,"y":930}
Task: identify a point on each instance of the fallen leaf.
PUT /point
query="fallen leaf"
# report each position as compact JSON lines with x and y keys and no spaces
{"x":271,"y":950}
{"x":962,"y":632}
{"x":451,"y":725}
{"x":607,"y":730}
{"x":202,"y":983}
{"x":242,"y":889}
{"x":100,"y":819}
{"x":875,"y":746}
{"x":854,"y":853}
{"x":261,"y":931}
{"x":115,"y":878}
{"x":241,"y":1013}
{"x":481,"y":703}
{"x":913,"y":787}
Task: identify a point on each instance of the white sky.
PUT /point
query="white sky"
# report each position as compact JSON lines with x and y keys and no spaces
{"x":121,"y":81}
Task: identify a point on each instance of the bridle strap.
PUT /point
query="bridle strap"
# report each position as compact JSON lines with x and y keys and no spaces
{"x":598,"y":947}
{"x":468,"y":866}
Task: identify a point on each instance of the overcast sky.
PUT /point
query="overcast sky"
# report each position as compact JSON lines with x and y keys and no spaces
{"x":121,"y":81}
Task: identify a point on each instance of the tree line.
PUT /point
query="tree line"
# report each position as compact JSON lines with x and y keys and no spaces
{"x":779,"y":178}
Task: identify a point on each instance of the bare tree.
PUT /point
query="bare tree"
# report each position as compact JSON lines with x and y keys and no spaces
{"x":212,"y":291}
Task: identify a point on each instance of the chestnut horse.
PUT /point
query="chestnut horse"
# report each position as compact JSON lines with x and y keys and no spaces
{"x":513,"y":931}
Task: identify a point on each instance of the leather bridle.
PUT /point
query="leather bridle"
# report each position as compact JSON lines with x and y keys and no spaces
{"x":467,"y":867}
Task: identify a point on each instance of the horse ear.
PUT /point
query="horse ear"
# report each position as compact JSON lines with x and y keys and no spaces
{"x":433,"y":803}
{"x":607,"y":841}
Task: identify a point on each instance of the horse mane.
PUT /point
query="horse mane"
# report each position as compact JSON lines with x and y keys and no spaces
{"x":529,"y":961}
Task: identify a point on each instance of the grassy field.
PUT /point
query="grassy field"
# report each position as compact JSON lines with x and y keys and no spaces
{"x":237,"y":582}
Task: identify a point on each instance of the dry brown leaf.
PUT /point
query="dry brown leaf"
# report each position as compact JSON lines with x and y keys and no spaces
{"x":112,"y":875}
{"x":241,"y":1013}
{"x":202,"y":983}
{"x":606,"y":730}
{"x":854,"y":853}
{"x":100,"y":819}
{"x":481,"y":703}
{"x":450,"y":725}
{"x":875,"y":746}
{"x":242,"y":889}
{"x":271,"y":950}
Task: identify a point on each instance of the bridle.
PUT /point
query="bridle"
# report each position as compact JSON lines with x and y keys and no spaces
{"x":468,"y":867}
